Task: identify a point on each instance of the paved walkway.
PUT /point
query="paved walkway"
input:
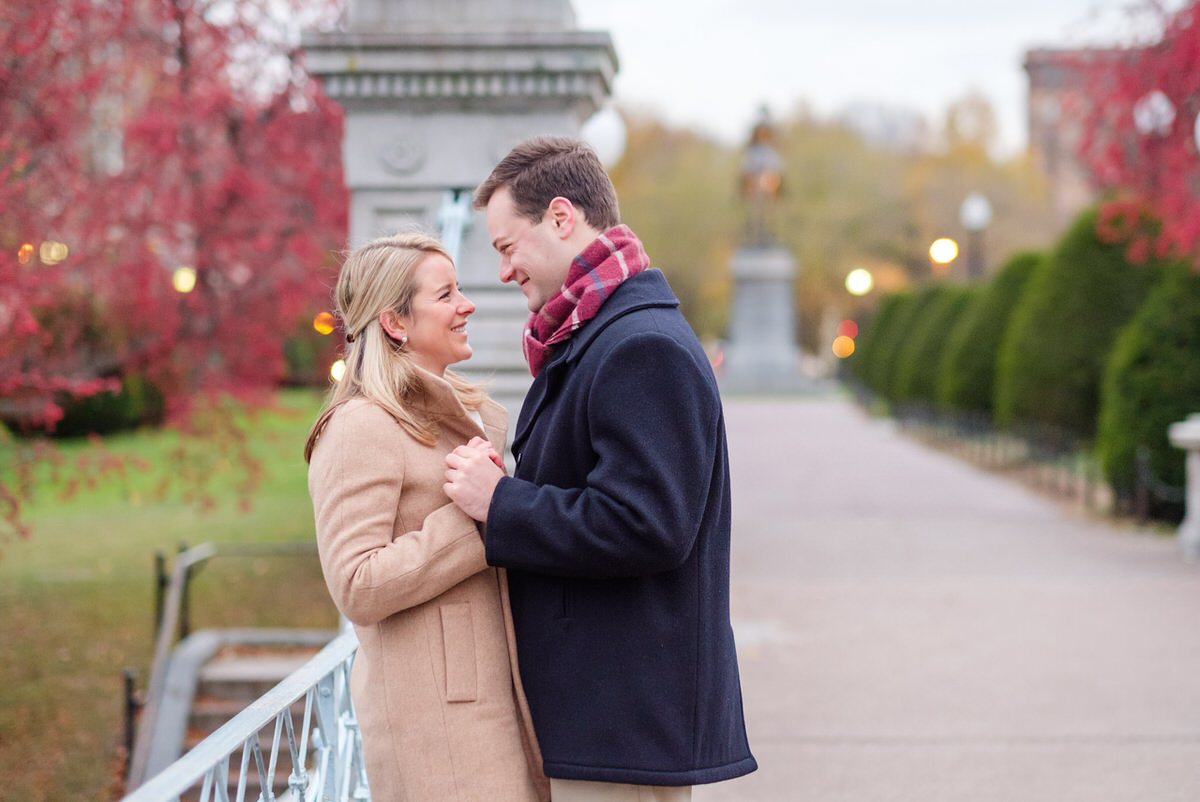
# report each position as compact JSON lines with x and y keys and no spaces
{"x":912,"y":628}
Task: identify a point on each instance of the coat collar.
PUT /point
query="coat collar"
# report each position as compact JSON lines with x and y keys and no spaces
{"x":645,"y":290}
{"x":440,"y":404}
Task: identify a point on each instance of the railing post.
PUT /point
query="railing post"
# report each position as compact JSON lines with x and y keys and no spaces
{"x":185,"y":600}
{"x":1141,"y":486}
{"x":160,"y":587}
{"x":131,"y":708}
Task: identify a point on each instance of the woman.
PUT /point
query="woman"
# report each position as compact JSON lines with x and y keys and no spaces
{"x":435,"y":681}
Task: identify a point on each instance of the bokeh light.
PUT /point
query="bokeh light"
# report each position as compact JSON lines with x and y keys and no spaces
{"x":51,"y":253}
{"x":184,"y":279}
{"x":859,"y":281}
{"x":843,"y":346}
{"x":943,"y":251}
{"x":25,"y":253}
{"x":337,"y":370}
{"x":847,"y":328}
{"x":324,"y":322}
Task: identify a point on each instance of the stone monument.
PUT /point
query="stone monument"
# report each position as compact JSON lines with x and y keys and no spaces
{"x":1186,"y":435}
{"x":761,"y":353}
{"x":435,"y":93}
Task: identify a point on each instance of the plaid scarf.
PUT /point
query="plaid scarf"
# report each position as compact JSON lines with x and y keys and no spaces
{"x":612,"y":257}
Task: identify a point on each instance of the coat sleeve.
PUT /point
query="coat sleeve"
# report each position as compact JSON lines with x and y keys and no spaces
{"x":356,"y":479}
{"x":653,"y":418}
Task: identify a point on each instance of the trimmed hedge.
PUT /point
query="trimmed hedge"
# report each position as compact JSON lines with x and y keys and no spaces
{"x":899,"y":336}
{"x":1054,"y":353}
{"x":920,"y":357}
{"x":967,"y":377}
{"x":1152,"y":381}
{"x":872,"y":337}
{"x":137,"y":403}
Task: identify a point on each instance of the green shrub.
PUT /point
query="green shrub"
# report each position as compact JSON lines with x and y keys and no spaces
{"x":1152,"y":380}
{"x":899,"y":336}
{"x":920,"y":357}
{"x":137,"y":403}
{"x":1056,"y":346}
{"x":872,"y":336}
{"x":884,"y":345}
{"x":967,"y":376}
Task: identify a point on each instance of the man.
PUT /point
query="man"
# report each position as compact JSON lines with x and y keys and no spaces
{"x":615,"y":525}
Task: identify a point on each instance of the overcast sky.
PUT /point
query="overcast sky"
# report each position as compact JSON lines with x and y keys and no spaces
{"x":710,"y":64}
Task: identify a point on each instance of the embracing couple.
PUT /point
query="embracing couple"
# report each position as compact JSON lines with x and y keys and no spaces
{"x":562,"y":632}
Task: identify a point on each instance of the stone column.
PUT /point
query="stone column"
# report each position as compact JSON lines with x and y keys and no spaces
{"x":1186,"y":435}
{"x":435,"y":94}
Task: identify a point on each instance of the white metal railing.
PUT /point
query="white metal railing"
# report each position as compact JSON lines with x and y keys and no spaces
{"x":326,"y":767}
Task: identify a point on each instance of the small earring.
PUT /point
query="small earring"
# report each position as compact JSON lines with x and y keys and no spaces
{"x":404,"y":341}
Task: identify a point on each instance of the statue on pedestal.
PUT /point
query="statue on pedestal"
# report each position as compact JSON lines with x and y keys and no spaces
{"x":761,"y":181}
{"x":762,"y":353}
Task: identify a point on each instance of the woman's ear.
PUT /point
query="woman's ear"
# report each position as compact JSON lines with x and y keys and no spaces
{"x":393,"y":324}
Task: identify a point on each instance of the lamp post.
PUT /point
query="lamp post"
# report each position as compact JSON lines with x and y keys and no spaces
{"x":1153,"y":117}
{"x":975,"y":214}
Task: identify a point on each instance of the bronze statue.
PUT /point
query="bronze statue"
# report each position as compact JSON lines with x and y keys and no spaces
{"x":761,"y":180}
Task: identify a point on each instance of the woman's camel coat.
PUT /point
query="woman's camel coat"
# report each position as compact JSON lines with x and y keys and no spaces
{"x":435,"y":681}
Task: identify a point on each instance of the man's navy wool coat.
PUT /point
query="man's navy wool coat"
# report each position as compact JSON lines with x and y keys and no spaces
{"x":615,"y":533}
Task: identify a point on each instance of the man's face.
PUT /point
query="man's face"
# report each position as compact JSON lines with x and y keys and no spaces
{"x":530,"y":254}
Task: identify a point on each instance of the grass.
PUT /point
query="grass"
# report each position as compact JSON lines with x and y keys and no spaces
{"x":77,"y":596}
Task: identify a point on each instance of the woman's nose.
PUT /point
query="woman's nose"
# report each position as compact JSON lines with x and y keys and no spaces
{"x":466,"y":307}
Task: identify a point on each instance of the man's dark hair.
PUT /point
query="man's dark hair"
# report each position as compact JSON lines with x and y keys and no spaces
{"x":542,"y":168}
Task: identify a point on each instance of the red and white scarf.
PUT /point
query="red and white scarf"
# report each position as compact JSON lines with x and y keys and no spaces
{"x":611,"y":258}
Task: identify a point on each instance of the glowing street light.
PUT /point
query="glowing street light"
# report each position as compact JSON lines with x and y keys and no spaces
{"x":943,"y":251}
{"x":184,"y":279}
{"x":51,"y":253}
{"x":843,"y":346}
{"x":859,"y":281}
{"x":324,"y":323}
{"x":337,"y":370}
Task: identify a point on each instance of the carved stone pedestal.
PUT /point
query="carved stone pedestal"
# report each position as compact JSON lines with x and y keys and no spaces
{"x":761,"y":354}
{"x":435,"y":94}
{"x":1186,"y":435}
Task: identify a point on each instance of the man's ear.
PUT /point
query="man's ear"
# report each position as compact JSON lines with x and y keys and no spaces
{"x":393,"y":324}
{"x":563,"y":217}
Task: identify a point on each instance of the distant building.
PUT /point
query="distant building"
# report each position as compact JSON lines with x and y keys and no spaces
{"x":1058,"y":97}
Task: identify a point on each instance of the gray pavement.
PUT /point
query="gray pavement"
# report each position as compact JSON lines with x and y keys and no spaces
{"x":913,"y":628}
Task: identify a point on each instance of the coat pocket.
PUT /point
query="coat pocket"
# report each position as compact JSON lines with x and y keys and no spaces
{"x":458,"y":639}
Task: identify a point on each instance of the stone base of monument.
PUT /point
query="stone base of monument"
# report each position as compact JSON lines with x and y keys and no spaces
{"x":761,"y":354}
{"x":1186,"y":435}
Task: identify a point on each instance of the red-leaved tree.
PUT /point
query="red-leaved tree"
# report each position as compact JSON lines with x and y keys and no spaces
{"x":144,"y":142}
{"x":1140,"y":132}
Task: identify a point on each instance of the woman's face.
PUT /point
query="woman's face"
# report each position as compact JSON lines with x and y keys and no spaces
{"x":437,"y":323}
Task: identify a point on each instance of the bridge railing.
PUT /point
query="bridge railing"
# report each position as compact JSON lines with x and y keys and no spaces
{"x":323,"y":755}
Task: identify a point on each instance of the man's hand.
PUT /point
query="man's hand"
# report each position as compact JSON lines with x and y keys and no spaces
{"x":472,"y":473}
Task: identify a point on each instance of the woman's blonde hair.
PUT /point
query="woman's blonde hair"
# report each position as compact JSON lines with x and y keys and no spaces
{"x":376,"y":277}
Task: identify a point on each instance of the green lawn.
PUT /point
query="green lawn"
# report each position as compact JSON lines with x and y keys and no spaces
{"x":77,"y":596}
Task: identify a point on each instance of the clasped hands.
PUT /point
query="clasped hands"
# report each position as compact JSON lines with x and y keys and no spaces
{"x":472,"y":473}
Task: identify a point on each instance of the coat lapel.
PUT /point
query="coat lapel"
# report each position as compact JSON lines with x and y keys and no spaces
{"x":540,"y":393}
{"x":495,"y":423}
